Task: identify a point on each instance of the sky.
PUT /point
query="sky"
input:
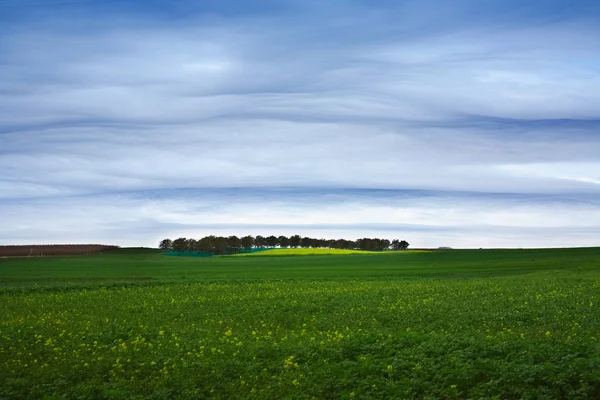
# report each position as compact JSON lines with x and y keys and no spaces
{"x":468,"y":123}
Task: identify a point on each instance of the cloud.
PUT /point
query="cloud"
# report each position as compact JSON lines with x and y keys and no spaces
{"x":484,"y":98}
{"x":578,"y":172}
{"x":424,"y":218}
{"x":259,"y":153}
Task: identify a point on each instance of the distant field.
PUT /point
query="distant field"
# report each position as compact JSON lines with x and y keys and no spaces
{"x":303,"y":252}
{"x":149,"y":265}
{"x":53,"y":250}
{"x":133,"y":323}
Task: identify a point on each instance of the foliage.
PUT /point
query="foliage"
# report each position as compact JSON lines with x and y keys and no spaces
{"x":232,"y":244}
{"x":248,"y":242}
{"x":166,"y":244}
{"x":399,"y":244}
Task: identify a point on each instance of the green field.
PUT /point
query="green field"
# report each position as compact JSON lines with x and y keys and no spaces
{"x":305,"y":252}
{"x":481,"y":324}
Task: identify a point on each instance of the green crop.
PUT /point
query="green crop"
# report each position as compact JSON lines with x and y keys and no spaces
{"x":453,"y":325}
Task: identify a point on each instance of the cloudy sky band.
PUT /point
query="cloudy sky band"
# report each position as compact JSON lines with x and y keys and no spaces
{"x":192,"y":117}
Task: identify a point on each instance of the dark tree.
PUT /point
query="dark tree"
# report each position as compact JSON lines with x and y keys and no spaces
{"x":283,"y":241}
{"x":197,"y":245}
{"x":234,"y":244}
{"x":247,"y":242}
{"x":362,"y":244}
{"x":260,"y":241}
{"x":295,"y":241}
{"x":319,"y":243}
{"x":220,"y":245}
{"x":166,"y":244}
{"x":207,"y":244}
{"x":306,"y":242}
{"x":180,"y":244}
{"x":271,"y":241}
{"x":190,"y":245}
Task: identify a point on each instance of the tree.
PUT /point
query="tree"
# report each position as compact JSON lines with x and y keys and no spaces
{"x":295,"y":241}
{"x":260,"y":241}
{"x":365,"y":244}
{"x":347,"y":244}
{"x":190,"y":245}
{"x":399,"y":244}
{"x":180,"y":244}
{"x":384,"y":244}
{"x":207,"y":244}
{"x":283,"y":241}
{"x":166,"y":244}
{"x":319,"y":243}
{"x":271,"y":241}
{"x":247,"y":242}
{"x":197,"y":246}
{"x":234,"y":244}
{"x":220,"y":245}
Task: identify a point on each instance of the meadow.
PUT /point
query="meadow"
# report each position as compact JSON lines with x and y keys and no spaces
{"x":481,"y":324}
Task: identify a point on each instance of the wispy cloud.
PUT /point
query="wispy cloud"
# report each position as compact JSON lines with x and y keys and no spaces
{"x":425,"y":218}
{"x":464,"y":96}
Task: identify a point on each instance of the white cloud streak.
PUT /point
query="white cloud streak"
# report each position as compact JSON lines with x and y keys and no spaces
{"x":425,"y":221}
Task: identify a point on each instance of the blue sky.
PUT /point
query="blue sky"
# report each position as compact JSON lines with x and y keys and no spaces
{"x":464,"y":123}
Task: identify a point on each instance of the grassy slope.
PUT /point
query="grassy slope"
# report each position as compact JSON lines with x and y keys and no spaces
{"x":151,"y":265}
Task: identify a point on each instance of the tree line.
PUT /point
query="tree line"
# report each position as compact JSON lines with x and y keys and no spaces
{"x":234,"y":244}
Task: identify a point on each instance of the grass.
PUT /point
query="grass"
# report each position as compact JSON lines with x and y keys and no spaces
{"x":138,"y":265}
{"x":505,"y":324}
